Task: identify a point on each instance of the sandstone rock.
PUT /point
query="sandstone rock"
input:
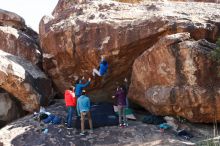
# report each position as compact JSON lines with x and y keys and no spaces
{"x":62,"y":5}
{"x":9,"y":109}
{"x":75,"y":38}
{"x":177,"y":77}
{"x":11,"y":19}
{"x":24,"y":81}
{"x":66,"y":4}
{"x":16,"y":38}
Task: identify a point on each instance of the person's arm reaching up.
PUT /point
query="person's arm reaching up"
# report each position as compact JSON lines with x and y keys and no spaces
{"x":86,"y":84}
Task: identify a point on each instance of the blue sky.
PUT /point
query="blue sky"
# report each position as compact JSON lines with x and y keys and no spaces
{"x":31,"y":10}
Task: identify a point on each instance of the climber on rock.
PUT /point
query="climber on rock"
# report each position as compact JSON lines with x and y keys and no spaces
{"x":103,"y":67}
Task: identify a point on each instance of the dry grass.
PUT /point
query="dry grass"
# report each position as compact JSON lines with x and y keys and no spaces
{"x":129,"y":1}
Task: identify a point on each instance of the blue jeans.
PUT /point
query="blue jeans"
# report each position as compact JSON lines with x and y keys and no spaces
{"x":127,"y":102}
{"x":69,"y":117}
{"x":122,"y":114}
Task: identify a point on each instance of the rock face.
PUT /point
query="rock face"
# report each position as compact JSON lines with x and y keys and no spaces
{"x":11,"y":19}
{"x":63,"y":4}
{"x":9,"y":109}
{"x":177,"y":77}
{"x":25,"y":81}
{"x":78,"y":34}
{"x":16,"y":38}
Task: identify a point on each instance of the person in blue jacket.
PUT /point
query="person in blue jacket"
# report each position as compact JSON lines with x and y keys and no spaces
{"x":80,"y":86}
{"x":103,"y":67}
{"x":83,"y":109}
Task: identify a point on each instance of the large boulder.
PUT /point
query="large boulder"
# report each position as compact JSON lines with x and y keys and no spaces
{"x":177,"y":77}
{"x":18,"y":39}
{"x":11,"y":19}
{"x":24,"y":81}
{"x":77,"y":35}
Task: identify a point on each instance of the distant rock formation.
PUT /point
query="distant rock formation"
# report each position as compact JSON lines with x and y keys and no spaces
{"x":11,"y":19}
{"x":18,"y":39}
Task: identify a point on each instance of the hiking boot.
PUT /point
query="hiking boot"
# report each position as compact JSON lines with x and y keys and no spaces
{"x":82,"y":133}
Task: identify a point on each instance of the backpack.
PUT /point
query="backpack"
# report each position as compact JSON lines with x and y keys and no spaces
{"x":56,"y":120}
{"x":49,"y":119}
{"x":164,"y":126}
{"x":43,"y":116}
{"x":153,"y":119}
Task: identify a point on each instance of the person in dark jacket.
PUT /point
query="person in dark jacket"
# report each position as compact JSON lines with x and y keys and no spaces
{"x":120,"y":95}
{"x":103,"y":67}
{"x":80,"y":86}
{"x":70,"y":101}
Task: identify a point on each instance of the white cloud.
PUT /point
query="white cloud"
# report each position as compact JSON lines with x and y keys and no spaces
{"x":31,"y":10}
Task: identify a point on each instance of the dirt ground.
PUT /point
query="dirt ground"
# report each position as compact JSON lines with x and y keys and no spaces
{"x":28,"y":132}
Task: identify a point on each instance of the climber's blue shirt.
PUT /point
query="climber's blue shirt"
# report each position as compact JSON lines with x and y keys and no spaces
{"x":103,"y":68}
{"x":79,"y":88}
